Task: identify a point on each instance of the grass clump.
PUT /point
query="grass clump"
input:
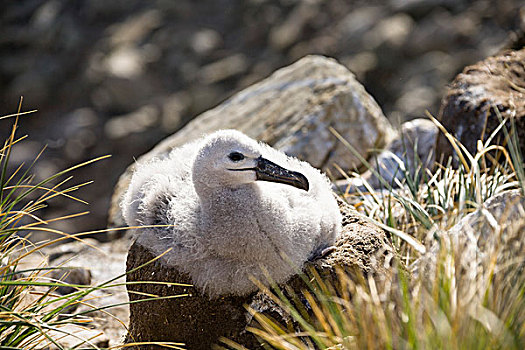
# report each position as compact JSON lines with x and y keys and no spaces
{"x":463,"y":286}
{"x":33,"y":312}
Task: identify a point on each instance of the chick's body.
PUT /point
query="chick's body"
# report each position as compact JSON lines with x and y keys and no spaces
{"x":226,"y":224}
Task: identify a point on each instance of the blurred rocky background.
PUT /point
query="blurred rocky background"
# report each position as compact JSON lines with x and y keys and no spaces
{"x":116,"y":77}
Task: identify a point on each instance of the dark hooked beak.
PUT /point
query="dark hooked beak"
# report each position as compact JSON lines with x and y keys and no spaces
{"x":268,"y":171}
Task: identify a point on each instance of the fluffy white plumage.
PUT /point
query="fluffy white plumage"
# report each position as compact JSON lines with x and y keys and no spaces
{"x":229,"y":225}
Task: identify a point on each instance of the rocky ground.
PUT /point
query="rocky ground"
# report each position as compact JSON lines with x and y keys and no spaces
{"x":116,"y":77}
{"x":362,"y":246}
{"x":119,"y":77}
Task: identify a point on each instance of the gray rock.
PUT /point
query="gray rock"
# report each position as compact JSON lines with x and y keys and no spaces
{"x":72,"y":336}
{"x":200,"y":322}
{"x":292,"y":111}
{"x":105,"y":262}
{"x":71,"y":275}
{"x":412,"y":150}
{"x":468,"y":111}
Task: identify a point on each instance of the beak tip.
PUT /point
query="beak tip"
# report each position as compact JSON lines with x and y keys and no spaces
{"x":304,"y":184}
{"x":268,"y":171}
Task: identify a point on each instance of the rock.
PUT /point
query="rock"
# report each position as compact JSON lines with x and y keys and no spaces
{"x":412,"y":150}
{"x":74,"y":336}
{"x":72,"y":275}
{"x":102,"y":264}
{"x":69,"y":275}
{"x":105,"y":261}
{"x":292,"y":111}
{"x":200,"y":322}
{"x":467,"y":111}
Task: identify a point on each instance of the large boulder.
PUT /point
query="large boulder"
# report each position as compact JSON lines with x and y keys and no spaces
{"x":292,"y":110}
{"x":468,"y":110}
{"x":200,"y":322}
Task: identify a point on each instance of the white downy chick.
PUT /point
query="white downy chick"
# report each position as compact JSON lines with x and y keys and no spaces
{"x":236,"y":208}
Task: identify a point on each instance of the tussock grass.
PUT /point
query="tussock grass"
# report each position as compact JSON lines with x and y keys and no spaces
{"x":33,"y":315}
{"x":461,"y":289}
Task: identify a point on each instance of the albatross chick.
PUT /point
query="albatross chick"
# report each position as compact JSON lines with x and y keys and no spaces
{"x":234,"y":208}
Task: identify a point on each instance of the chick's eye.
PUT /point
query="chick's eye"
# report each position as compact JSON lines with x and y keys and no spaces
{"x":236,"y":156}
